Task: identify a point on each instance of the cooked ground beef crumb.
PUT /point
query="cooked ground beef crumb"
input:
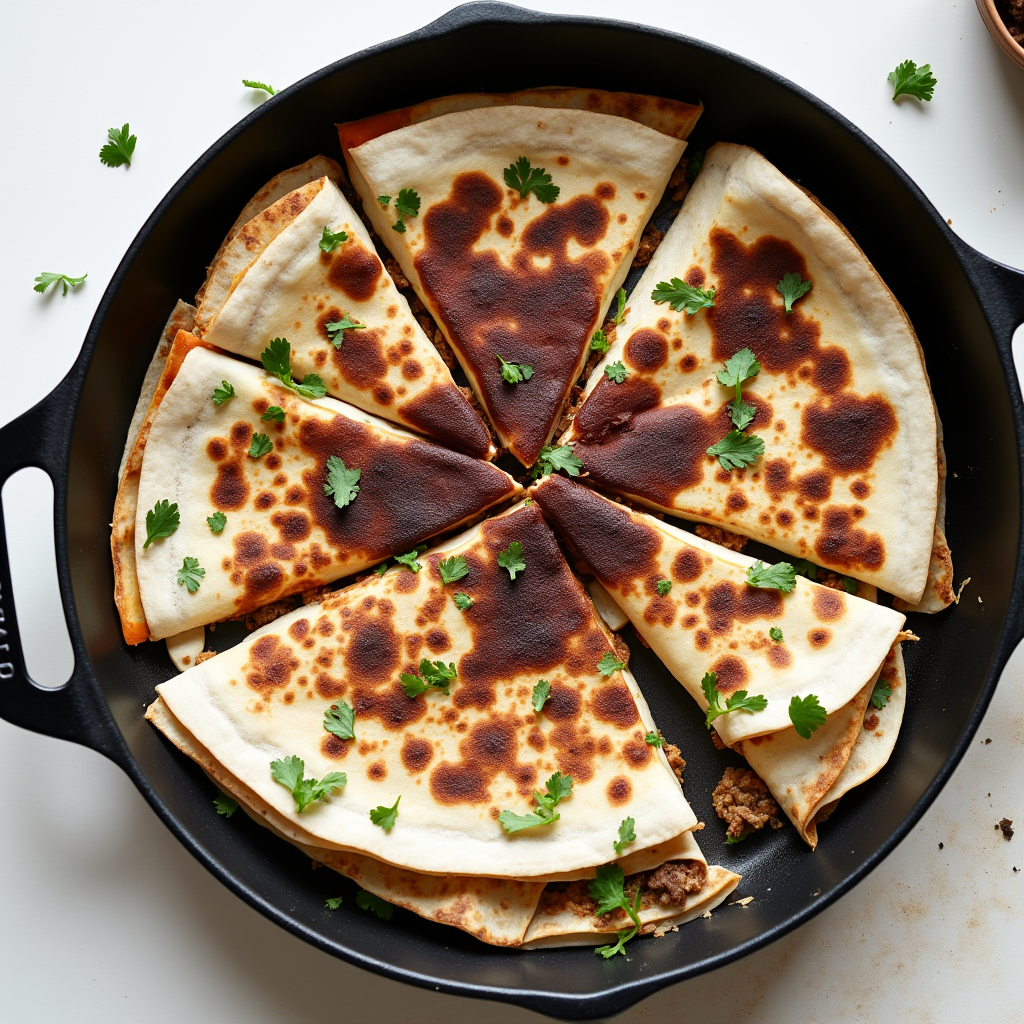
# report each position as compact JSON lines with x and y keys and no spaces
{"x":620,"y":648}
{"x":569,"y":411}
{"x":205,"y":656}
{"x":397,"y":275}
{"x":675,"y":758}
{"x":717,"y":535}
{"x":717,"y":740}
{"x":1012,"y":13}
{"x":649,"y":242}
{"x":1004,"y":827}
{"x":678,"y":186}
{"x":743,"y":801}
{"x":674,"y":881}
{"x":833,"y":581}
{"x":269,"y":612}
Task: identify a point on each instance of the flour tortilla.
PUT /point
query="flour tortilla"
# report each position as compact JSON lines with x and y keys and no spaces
{"x":283,"y":534}
{"x":457,"y":760}
{"x":273,"y":279}
{"x":849,"y":478}
{"x":712,"y":620}
{"x":509,"y":276}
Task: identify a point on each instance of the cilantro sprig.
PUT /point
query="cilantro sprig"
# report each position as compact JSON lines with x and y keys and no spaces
{"x":385,"y":817}
{"x":880,"y":694}
{"x":791,"y":288}
{"x":274,"y":414}
{"x":620,"y":301}
{"x":627,"y":835}
{"x":411,"y":558}
{"x":333,"y":902}
{"x":277,"y":361}
{"x":541,"y":692}
{"x":608,"y":890}
{"x":226,"y":805}
{"x":259,"y":446}
{"x":436,"y":676}
{"x":806,"y":714}
{"x":737,"y":450}
{"x":342,"y":482}
{"x":289,"y":773}
{"x":910,"y":80}
{"x":663,"y":587}
{"x":739,"y":368}
{"x":652,"y":739}
{"x":45,"y":279}
{"x":599,"y":342}
{"x":217,"y":522}
{"x":330,"y":240}
{"x":683,"y":297}
{"x":558,"y":787}
{"x":249,"y":84}
{"x":526,"y":179}
{"x":462,"y":601}
{"x":223,"y":393}
{"x":408,"y":205}
{"x":119,"y":150}
{"x":616,"y":372}
{"x":780,"y":576}
{"x":161,"y":521}
{"x":514,"y":373}
{"x":609,"y":664}
{"x":553,"y":458}
{"x":369,"y":901}
{"x":336,"y":329}
{"x":738,"y":701}
{"x":776,"y":634}
{"x":191,"y":574}
{"x":340,"y":720}
{"x":512,"y":558}
{"x":452,"y":569}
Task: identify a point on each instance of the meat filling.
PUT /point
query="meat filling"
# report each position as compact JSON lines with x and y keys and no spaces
{"x":743,"y":801}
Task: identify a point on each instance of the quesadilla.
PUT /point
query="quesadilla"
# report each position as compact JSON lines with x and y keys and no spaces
{"x":466,"y":775}
{"x":249,"y":492}
{"x":826,"y":445}
{"x":305,"y":269}
{"x":516,"y":225}
{"x":693,"y":603}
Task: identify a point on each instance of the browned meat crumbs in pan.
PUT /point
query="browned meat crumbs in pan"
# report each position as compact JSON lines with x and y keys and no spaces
{"x":675,"y":759}
{"x":743,"y":800}
{"x":715,"y":534}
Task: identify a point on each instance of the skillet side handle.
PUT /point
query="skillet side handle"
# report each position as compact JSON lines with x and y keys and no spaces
{"x":74,"y":711}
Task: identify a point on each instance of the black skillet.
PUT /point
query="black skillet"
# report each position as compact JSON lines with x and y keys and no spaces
{"x":963,"y":305}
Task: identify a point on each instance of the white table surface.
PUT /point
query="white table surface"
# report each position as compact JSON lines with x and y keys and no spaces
{"x":103,"y":916}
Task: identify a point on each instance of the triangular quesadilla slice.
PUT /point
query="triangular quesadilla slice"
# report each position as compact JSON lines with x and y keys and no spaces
{"x":766,"y":380}
{"x":249,"y":492}
{"x":692,"y":601}
{"x":473,"y":781}
{"x":516,"y":225}
{"x":305,"y":269}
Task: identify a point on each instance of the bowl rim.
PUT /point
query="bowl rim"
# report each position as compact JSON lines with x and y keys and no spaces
{"x":999,"y":32}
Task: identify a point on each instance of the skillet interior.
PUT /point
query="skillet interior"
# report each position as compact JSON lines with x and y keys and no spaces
{"x":482,"y":48}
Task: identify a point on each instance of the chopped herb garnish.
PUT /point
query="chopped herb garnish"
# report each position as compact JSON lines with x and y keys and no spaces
{"x":738,"y":701}
{"x":368,"y":901}
{"x":514,"y":373}
{"x":620,"y":300}
{"x":910,"y":80}
{"x":340,"y":719}
{"x":381,"y":569}
{"x":191,"y":574}
{"x":462,"y":601}
{"x":553,"y":458}
{"x":652,"y":739}
{"x":776,"y":634}
{"x":45,"y":279}
{"x":849,"y":584}
{"x":260,"y":446}
{"x":342,"y":482}
{"x":217,"y":522}
{"x":806,"y":714}
{"x":118,"y":151}
{"x":512,"y":559}
{"x":336,"y":329}
{"x":695,"y":164}
{"x":599,"y":342}
{"x":791,"y":288}
{"x":436,"y":675}
{"x":259,"y":85}
{"x":225,"y":804}
{"x":223,"y":393}
{"x":161,"y":521}
{"x":737,"y":450}
{"x":277,"y":358}
{"x":289,"y":772}
{"x":410,"y":558}
{"x":541,"y":692}
{"x":452,"y":569}
{"x":616,"y":372}
{"x":408,"y":205}
{"x":383,"y":200}
{"x":804,"y":568}
{"x":609,"y":664}
{"x":780,"y":576}
{"x":683,"y":297}
{"x":330,"y":240}
{"x":880,"y":694}
{"x":664,"y":586}
{"x":385,"y":817}
{"x":526,"y":179}
{"x":626,"y":835}
{"x":733,"y":840}
{"x":333,"y":902}
{"x":274,"y":414}
{"x":609,"y":892}
{"x":740,"y":367}
{"x":559,"y":786}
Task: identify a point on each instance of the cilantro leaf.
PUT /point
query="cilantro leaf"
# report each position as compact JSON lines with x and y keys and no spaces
{"x":260,"y":445}
{"x":409,"y":559}
{"x":225,"y":804}
{"x":259,"y":85}
{"x":381,"y":569}
{"x":664,"y":586}
{"x":408,"y":205}
{"x":733,"y":840}
{"x":609,"y":664}
{"x":217,"y":522}
{"x":118,"y":151}
{"x":452,"y":569}
{"x":312,"y":386}
{"x":514,"y":373}
{"x":436,"y":675}
{"x":849,"y":584}
{"x":738,"y":701}
{"x":330,"y":240}
{"x":273,"y":414}
{"x":776,"y":634}
{"x":608,"y":890}
{"x":741,"y":413}
{"x":910,"y":80}
{"x":512,"y":559}
{"x":616,"y":372}
{"x":599,"y":342}
{"x":340,"y":719}
{"x":652,"y":739}
{"x":385,"y":817}
{"x":682,"y":296}
{"x":342,"y":482}
{"x":780,"y":576}
{"x":462,"y":601}
{"x":161,"y":521}
{"x":191,"y":574}
{"x":277,"y":358}
{"x":558,"y":787}
{"x":880,"y":694}
{"x":368,"y":901}
{"x":804,"y":568}
{"x":739,"y":367}
{"x":553,"y":458}
{"x":333,"y":903}
{"x":695,"y":164}
{"x":289,"y":773}
{"x":620,"y":300}
{"x":223,"y":393}
{"x":384,"y":200}
{"x":791,"y":288}
{"x":526,"y":179}
{"x":541,"y":692}
{"x":626,"y":835}
{"x":737,"y":450}
{"x":806,"y":714}
{"x":45,"y":279}
{"x":336,"y":329}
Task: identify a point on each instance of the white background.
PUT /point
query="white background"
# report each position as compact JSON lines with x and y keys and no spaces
{"x":103,"y":917}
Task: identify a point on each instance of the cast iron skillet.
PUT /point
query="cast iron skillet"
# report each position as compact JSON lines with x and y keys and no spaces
{"x":963,"y":305}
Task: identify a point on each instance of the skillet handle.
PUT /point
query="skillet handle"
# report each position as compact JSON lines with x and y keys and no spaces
{"x":75,"y":711}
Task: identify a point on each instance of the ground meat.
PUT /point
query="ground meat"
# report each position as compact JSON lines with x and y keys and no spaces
{"x":1004,"y":826}
{"x":314,"y":596}
{"x":717,"y":740}
{"x":569,"y":411}
{"x":674,"y":881}
{"x":649,"y":242}
{"x":1012,"y":13}
{"x":678,"y":186}
{"x":675,"y":758}
{"x":444,"y":349}
{"x":715,"y":534}
{"x":743,"y":800}
{"x":834,"y":581}
{"x":620,"y":648}
{"x":397,"y":275}
{"x":423,"y":318}
{"x":269,"y":612}
{"x":205,"y":656}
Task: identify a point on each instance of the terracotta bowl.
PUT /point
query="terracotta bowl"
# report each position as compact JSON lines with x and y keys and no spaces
{"x":1000,"y":33}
